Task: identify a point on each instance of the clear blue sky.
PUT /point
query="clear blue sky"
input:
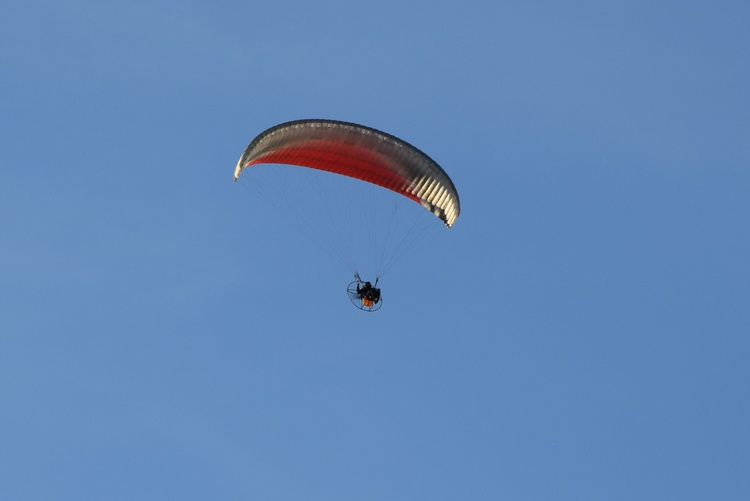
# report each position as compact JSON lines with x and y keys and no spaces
{"x":580,"y":334}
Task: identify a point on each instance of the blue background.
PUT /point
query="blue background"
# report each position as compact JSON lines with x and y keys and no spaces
{"x":580,"y":334}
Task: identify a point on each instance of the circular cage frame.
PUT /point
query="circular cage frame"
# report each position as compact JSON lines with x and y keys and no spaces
{"x":358,"y":301}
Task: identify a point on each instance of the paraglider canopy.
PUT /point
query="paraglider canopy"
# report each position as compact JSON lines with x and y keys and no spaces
{"x":359,"y":152}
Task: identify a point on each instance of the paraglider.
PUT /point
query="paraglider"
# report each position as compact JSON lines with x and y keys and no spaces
{"x":360,"y":153}
{"x":364,"y":295}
